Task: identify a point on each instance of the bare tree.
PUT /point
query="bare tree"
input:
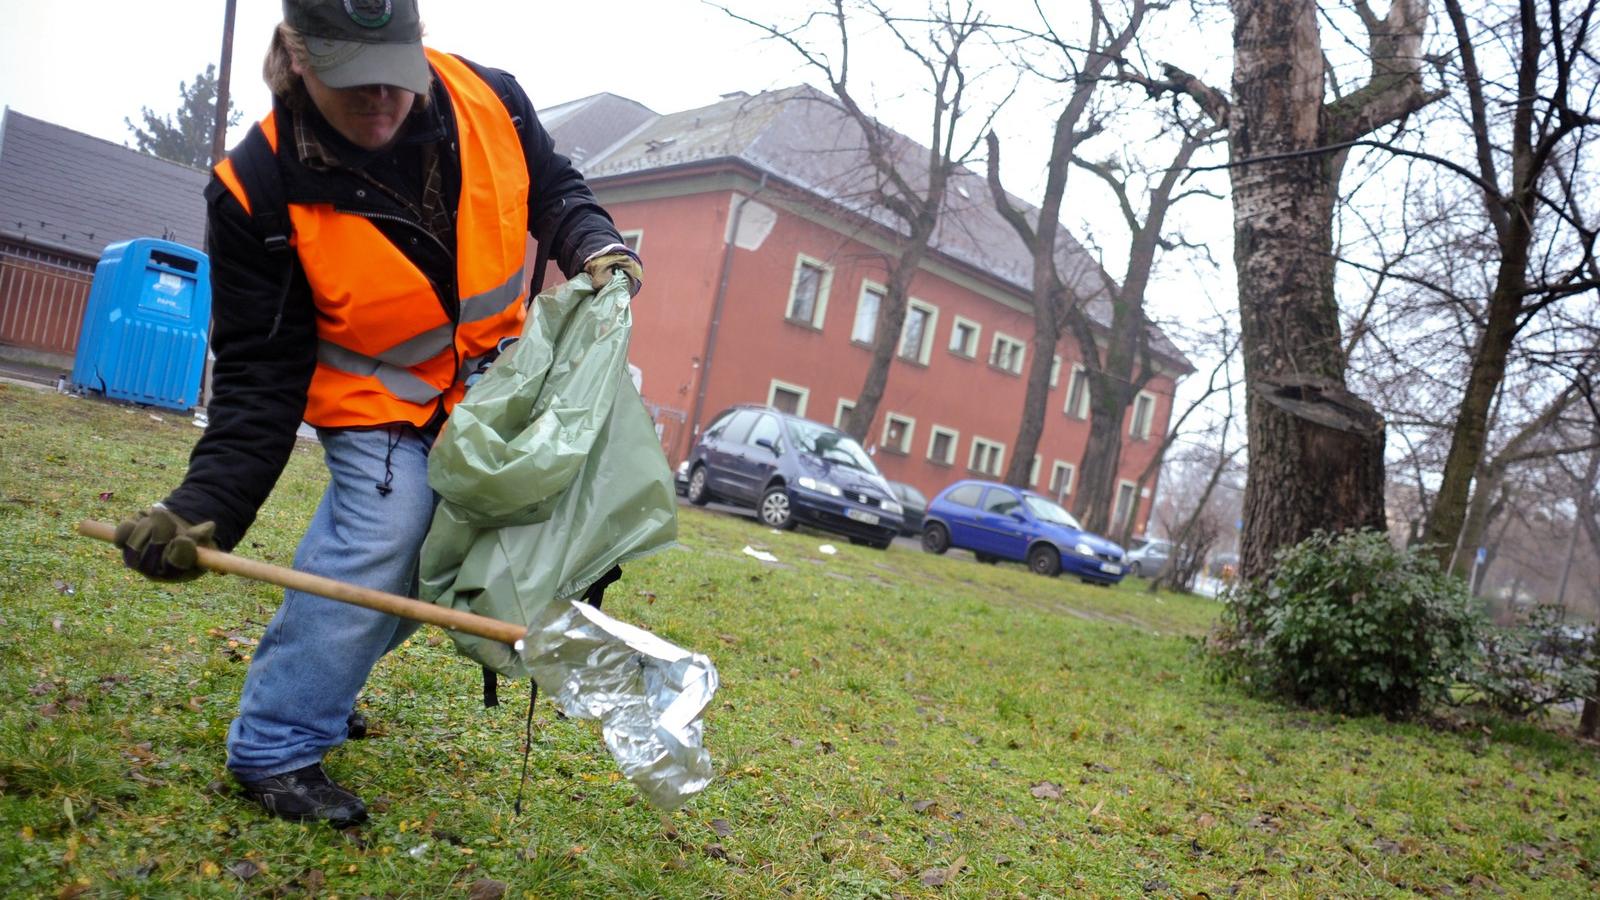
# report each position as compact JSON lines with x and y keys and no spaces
{"x":910,"y":182}
{"x":1527,"y":116}
{"x":1054,"y":303}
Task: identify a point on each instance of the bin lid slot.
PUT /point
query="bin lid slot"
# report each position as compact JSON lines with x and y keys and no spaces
{"x":181,"y":263}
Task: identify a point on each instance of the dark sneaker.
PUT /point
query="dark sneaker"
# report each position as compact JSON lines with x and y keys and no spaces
{"x":356,"y":726}
{"x":306,"y":794}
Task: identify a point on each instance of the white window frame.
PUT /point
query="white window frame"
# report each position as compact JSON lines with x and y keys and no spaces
{"x":1072,"y":474}
{"x":861,"y":296}
{"x":1055,"y":371}
{"x":1120,"y":517}
{"x":1082,"y":412}
{"x":955,"y":440}
{"x":970,"y":351}
{"x":843,"y":406}
{"x":1001,"y":337}
{"x":1000,"y":457}
{"x":776,"y":385}
{"x":638,"y":239}
{"x":907,"y":432}
{"x":820,"y":312}
{"x":926,"y":349}
{"x":1033,"y":472}
{"x":1134,"y":431}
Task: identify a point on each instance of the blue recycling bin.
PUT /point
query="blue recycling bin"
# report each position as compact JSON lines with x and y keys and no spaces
{"x":146,"y":324}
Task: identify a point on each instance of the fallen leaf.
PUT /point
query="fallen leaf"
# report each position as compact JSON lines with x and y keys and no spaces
{"x":486,"y":889}
{"x":721,"y":827}
{"x":1046,"y":790}
{"x":1206,"y":820}
{"x":1155,"y":886}
{"x":716,"y":851}
{"x":63,"y":587}
{"x":934,"y":877}
{"x":73,"y":890}
{"x":923,"y":806}
{"x":244,"y":869}
{"x":210,"y":869}
{"x":106,"y":495}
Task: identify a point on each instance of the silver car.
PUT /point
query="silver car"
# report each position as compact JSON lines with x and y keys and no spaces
{"x":1149,"y":558}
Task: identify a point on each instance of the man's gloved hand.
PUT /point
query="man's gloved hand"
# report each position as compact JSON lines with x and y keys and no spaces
{"x":602,"y":262}
{"x":160,"y":544}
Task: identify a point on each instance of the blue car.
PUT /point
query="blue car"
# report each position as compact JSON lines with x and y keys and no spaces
{"x":793,"y":470}
{"x":997,"y":521}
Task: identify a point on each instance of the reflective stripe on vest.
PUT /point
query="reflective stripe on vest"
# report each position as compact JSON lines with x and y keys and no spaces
{"x":387,"y":351}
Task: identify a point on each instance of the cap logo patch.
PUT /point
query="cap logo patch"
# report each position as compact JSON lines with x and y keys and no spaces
{"x":370,"y":13}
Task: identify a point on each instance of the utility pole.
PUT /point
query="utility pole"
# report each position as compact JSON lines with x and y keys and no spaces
{"x":219,"y":146}
{"x":219,"y":130}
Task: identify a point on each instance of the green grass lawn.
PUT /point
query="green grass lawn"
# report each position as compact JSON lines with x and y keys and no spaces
{"x":888,"y":724}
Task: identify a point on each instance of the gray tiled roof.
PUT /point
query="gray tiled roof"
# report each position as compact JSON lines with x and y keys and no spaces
{"x":800,"y":135}
{"x":588,"y":126}
{"x":67,"y":190}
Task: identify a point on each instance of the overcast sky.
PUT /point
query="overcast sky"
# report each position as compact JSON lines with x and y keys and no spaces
{"x":88,"y":65}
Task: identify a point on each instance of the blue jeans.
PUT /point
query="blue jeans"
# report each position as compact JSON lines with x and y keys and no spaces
{"x":316,"y":653}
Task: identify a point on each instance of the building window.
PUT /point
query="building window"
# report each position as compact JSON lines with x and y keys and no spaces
{"x":1144,"y":413}
{"x":844,"y":408}
{"x":1006,"y":353}
{"x":942,"y":445}
{"x":1033,"y":472}
{"x":1123,"y":508}
{"x":897,"y":431}
{"x":1061,"y":479}
{"x":808,"y":294}
{"x":987,"y":457}
{"x":1055,"y":371}
{"x":1078,"y":394}
{"x":916,"y":335}
{"x":964,"y":337}
{"x":787,"y":397}
{"x":865,"y":329}
{"x":632,"y":240}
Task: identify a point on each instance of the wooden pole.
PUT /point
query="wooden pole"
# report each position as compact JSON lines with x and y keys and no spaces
{"x":393,"y":604}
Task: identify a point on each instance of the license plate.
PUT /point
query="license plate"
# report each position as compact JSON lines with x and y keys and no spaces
{"x":1111,"y":568}
{"x":864,"y":518}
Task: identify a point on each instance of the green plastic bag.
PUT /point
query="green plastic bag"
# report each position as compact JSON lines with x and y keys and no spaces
{"x":549,"y":471}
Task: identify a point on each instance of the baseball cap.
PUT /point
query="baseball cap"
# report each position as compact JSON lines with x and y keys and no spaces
{"x":356,"y":42}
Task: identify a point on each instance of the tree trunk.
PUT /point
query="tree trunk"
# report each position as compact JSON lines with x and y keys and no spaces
{"x":886,"y":342}
{"x":1316,"y":450}
{"x":1046,"y":337}
{"x":1445,"y":533}
{"x":1097,"y":471}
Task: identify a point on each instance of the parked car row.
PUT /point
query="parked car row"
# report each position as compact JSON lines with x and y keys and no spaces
{"x":792,"y":470}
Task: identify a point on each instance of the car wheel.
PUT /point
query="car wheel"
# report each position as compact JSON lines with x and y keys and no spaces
{"x":1044,"y":559}
{"x":1133,"y":569}
{"x":698,"y":493}
{"x":775,"y":509}
{"x":935,"y":538}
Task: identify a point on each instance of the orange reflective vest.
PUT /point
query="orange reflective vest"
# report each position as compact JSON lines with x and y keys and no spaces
{"x":387,"y":351}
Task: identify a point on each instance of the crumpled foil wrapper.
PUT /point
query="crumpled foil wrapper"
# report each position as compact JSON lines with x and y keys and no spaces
{"x":647,"y":693}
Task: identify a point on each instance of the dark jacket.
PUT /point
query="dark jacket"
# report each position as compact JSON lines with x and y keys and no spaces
{"x":265,"y":339}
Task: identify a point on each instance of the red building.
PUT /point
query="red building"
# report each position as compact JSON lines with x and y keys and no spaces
{"x":764,"y":264}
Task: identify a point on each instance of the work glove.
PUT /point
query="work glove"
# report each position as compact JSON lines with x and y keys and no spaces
{"x":604,"y":261}
{"x":161,"y":545}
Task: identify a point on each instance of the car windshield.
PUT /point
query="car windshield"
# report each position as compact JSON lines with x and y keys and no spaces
{"x":1051,"y":512}
{"x":834,"y":446}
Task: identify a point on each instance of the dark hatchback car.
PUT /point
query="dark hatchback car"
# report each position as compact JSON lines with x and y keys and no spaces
{"x":997,"y":521}
{"x":913,"y":504}
{"x":793,"y":470}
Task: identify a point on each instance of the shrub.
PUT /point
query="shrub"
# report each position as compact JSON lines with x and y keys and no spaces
{"x":1527,"y":668}
{"x":1349,"y":623}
